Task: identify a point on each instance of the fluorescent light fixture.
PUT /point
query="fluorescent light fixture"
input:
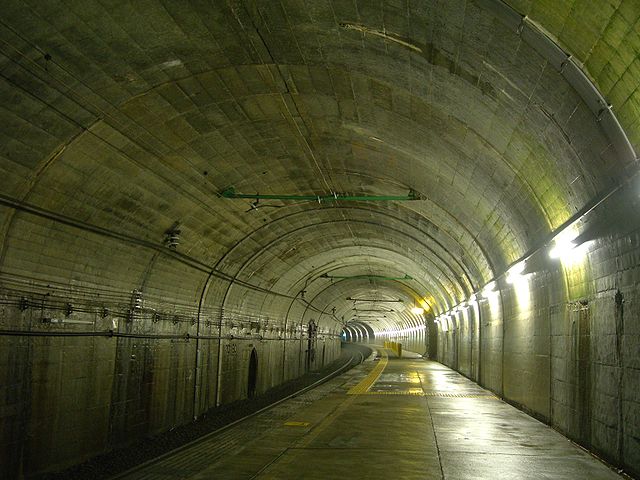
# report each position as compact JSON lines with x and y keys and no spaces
{"x":489,"y":289}
{"x":515,"y":272}
{"x":563,"y":243}
{"x":562,"y":248}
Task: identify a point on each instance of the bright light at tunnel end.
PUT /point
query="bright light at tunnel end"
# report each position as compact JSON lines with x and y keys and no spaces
{"x":417,"y":310}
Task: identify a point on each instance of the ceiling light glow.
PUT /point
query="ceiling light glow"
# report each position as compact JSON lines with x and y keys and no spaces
{"x":489,"y":290}
{"x":515,"y":273}
{"x":562,"y":249}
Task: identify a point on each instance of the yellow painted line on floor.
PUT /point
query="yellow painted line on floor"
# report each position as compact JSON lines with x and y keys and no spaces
{"x":293,"y":453}
{"x":368,"y":381}
{"x":296,"y":424}
{"x":319,"y":428}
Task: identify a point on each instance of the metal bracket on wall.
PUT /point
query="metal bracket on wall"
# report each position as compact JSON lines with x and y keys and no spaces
{"x":24,"y":304}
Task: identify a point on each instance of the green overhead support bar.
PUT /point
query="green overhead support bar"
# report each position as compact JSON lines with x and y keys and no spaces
{"x":372,"y":310}
{"x":231,"y":193}
{"x":373,"y":300}
{"x":379,"y":277}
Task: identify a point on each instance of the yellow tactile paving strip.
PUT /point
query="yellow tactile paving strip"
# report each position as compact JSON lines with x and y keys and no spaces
{"x":428,"y":394}
{"x":367,"y":382}
{"x":364,"y":387}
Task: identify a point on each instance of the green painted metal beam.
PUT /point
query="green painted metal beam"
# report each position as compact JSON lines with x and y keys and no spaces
{"x":378,"y":277}
{"x":231,"y":193}
{"x":374,"y":300}
{"x":372,"y":310}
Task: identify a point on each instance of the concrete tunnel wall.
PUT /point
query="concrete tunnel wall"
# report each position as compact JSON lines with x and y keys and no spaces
{"x":132,"y":292}
{"x":562,"y":342}
{"x":76,"y":390}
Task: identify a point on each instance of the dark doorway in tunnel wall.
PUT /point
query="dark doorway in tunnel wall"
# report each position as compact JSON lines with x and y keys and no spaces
{"x":253,"y":374}
{"x":312,"y":342}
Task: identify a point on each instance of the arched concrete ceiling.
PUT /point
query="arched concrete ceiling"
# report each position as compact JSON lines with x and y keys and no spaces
{"x":126,"y":119}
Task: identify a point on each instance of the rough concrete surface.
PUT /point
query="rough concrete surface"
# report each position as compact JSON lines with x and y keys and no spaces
{"x":200,"y":200}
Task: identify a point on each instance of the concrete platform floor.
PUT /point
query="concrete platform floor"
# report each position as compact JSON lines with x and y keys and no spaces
{"x":392,"y":418}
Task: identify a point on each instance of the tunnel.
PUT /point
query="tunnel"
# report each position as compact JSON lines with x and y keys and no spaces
{"x":204,"y":201}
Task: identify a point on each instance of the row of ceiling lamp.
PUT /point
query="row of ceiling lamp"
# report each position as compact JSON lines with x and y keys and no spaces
{"x":393,"y":333}
{"x":564,"y":246}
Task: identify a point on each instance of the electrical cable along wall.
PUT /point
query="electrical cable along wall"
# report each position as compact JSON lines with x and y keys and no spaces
{"x":137,"y":360}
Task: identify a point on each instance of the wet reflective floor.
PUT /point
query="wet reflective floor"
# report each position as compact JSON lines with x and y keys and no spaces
{"x":396,"y":418}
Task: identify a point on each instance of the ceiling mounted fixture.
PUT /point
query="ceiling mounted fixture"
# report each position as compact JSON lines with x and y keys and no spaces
{"x":563,"y":247}
{"x":489,"y":290}
{"x":172,"y":236}
{"x":514,"y":274}
{"x":416,"y":310}
{"x":230,"y":192}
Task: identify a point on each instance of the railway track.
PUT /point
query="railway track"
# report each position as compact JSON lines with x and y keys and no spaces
{"x":214,"y":445}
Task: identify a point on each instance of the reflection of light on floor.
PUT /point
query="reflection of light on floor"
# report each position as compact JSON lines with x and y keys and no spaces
{"x":440,"y":381}
{"x":477,"y":425}
{"x":413,"y":378}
